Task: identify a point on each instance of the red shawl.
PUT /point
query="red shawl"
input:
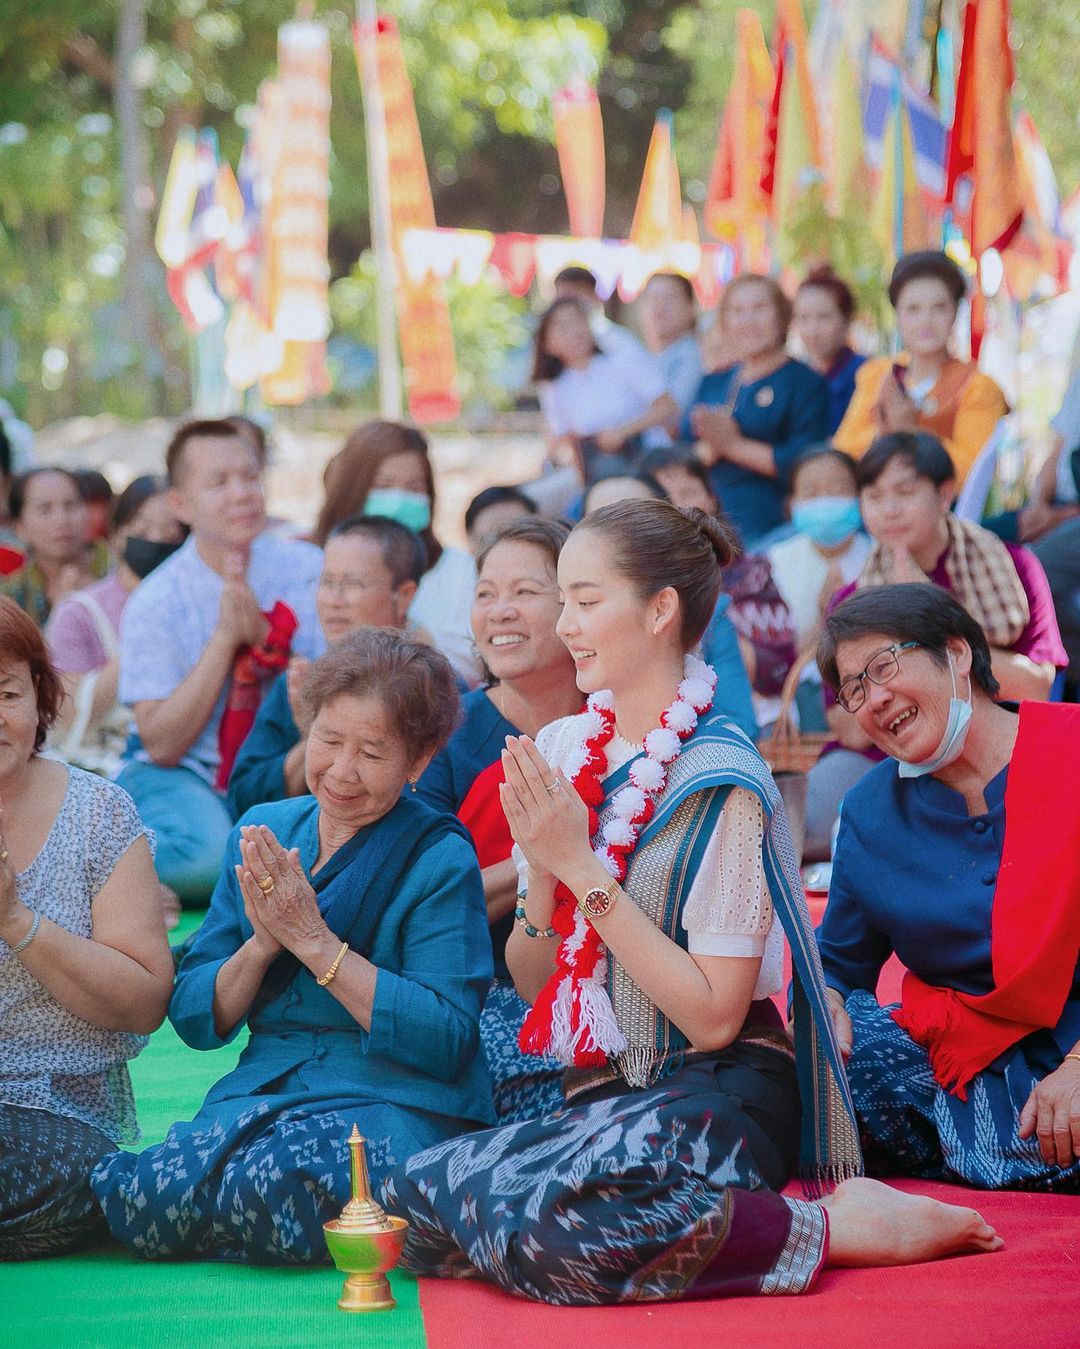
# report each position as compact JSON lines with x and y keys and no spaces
{"x":1035,"y":921}
{"x":482,"y":815}
{"x":250,"y":668}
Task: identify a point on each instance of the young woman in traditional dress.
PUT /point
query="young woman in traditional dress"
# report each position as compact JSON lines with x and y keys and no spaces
{"x":660,"y":877}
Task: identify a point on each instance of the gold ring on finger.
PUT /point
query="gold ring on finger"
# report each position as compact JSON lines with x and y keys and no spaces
{"x":3,"y":854}
{"x":553,"y":788}
{"x":265,"y":883}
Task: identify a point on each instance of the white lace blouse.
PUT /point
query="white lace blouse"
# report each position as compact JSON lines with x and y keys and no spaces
{"x":729,"y":911}
{"x":51,"y":1059}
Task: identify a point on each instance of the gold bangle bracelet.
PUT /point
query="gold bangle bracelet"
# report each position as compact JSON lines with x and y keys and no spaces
{"x":328,"y":977}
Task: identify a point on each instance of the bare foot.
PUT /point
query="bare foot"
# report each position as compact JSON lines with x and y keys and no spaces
{"x":872,"y":1224}
{"x":170,"y":904}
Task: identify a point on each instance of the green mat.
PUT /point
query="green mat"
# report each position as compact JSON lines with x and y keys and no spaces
{"x":107,"y":1298}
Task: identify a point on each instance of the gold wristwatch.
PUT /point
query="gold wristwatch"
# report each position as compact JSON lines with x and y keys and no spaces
{"x":598,"y":901}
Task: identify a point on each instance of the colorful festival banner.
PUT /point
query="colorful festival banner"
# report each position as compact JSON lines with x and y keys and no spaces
{"x":427,"y":341}
{"x":793,"y":140}
{"x":735,"y":206}
{"x":579,"y":140}
{"x":297,"y":233}
{"x":616,"y":263}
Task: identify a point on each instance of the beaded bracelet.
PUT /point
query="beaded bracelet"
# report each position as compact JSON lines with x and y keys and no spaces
{"x":31,"y":934}
{"x":521,"y":919}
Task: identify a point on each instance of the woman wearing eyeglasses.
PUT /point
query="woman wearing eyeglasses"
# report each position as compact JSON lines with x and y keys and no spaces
{"x":961,"y":854}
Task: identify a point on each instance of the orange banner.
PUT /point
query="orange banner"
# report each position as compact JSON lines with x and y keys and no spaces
{"x":579,"y":139}
{"x":427,"y":342}
{"x":735,"y":206}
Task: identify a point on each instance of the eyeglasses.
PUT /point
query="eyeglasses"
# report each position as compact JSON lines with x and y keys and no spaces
{"x":880,"y":669}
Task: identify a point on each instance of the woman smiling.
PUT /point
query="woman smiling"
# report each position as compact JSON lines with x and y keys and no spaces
{"x":532,"y":682}
{"x":347,"y":932}
{"x":944,"y":856}
{"x":660,"y":876}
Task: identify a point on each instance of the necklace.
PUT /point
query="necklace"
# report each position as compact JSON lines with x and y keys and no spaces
{"x":572,"y":1017}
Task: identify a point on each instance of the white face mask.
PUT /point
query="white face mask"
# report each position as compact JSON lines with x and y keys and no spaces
{"x":952,"y":742}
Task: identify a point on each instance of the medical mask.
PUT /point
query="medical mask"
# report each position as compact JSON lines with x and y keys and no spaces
{"x":143,"y":555}
{"x":952,"y":742}
{"x":826,"y":520}
{"x":411,"y":509}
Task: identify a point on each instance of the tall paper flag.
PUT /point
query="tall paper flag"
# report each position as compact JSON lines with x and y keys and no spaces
{"x":427,"y":341}
{"x":898,"y":218}
{"x":191,"y":251}
{"x":658,"y":215}
{"x":579,"y":139}
{"x":793,"y":145}
{"x":735,"y":205}
{"x":990,"y":205}
{"x":297,"y":234}
{"x":848,"y":173}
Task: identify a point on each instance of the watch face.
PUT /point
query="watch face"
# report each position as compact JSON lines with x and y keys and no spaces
{"x":596,"y":903}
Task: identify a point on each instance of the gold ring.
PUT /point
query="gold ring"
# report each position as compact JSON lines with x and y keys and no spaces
{"x":4,"y":855}
{"x":265,"y":883}
{"x":553,"y":789}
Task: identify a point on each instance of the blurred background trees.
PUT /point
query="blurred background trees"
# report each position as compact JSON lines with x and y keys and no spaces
{"x":92,"y":93}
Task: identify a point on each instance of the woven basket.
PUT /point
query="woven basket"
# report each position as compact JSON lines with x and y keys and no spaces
{"x":787,"y":749}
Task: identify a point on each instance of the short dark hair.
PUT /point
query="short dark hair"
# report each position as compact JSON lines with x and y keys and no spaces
{"x":403,"y":552}
{"x":655,"y":545}
{"x":671,"y":456}
{"x":683,"y":282}
{"x":927,"y":262}
{"x":818,"y":452}
{"x":21,"y":640}
{"x":255,"y":432}
{"x":135,"y":496}
{"x":611,"y":472}
{"x":911,"y":611}
{"x":837,"y":289}
{"x":94,"y":486}
{"x":221,"y":428}
{"x":919,"y":449}
{"x":576,"y":276}
{"x":5,"y":453}
{"x":546,"y":535}
{"x":412,"y":680}
{"x":547,"y":367}
{"x":21,"y":481}
{"x":497,"y":496}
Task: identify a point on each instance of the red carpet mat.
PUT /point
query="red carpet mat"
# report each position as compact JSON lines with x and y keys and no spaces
{"x":1026,"y":1295}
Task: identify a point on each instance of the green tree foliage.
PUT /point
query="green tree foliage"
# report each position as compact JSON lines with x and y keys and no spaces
{"x":483,"y":71}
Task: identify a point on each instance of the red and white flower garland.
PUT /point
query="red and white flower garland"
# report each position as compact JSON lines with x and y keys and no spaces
{"x":573,"y":1018}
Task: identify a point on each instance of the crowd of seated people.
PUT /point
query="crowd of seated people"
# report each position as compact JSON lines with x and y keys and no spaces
{"x":493,"y":863}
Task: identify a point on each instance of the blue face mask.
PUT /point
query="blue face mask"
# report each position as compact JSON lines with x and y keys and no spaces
{"x":826,"y":520}
{"x":411,"y":509}
{"x":952,"y":742}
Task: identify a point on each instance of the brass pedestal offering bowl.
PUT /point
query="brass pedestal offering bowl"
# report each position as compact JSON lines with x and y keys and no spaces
{"x":365,"y":1241}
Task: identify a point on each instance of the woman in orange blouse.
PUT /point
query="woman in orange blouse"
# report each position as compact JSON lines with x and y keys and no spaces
{"x":925,"y":389}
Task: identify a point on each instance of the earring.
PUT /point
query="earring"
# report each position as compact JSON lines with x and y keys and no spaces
{"x":412,"y":785}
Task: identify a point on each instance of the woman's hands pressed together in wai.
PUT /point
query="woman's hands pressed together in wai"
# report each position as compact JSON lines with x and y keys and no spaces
{"x":283,"y":910}
{"x":707,"y":997}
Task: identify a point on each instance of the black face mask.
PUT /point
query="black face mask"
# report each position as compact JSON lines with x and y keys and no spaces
{"x":143,"y":555}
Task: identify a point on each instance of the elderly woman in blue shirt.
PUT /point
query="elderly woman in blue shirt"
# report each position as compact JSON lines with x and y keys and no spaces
{"x":348,"y":932}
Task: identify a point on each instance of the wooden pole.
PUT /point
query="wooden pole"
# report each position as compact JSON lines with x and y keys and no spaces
{"x":390,"y":389}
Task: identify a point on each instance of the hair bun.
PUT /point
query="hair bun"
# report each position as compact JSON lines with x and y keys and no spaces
{"x":721,"y":535}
